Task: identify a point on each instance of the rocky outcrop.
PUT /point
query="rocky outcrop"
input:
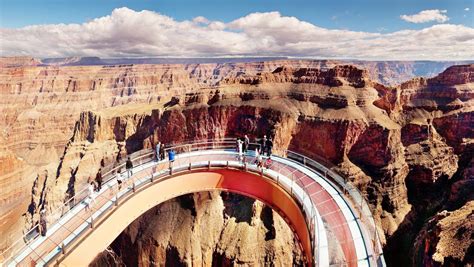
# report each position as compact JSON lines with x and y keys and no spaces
{"x":8,"y":62}
{"x":447,"y":239}
{"x":207,"y":229}
{"x":389,"y":141}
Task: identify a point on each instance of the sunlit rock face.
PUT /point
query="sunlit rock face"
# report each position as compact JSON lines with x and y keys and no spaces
{"x":205,"y":229}
{"x":408,"y":147}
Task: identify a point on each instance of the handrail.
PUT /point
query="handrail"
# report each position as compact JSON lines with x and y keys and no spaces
{"x":146,"y":155}
{"x":79,"y":196}
{"x":357,"y":198}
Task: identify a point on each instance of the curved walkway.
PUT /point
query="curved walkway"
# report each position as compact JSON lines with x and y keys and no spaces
{"x":337,"y":234}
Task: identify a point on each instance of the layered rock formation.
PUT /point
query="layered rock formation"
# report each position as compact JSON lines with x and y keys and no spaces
{"x":384,"y":72}
{"x":205,"y":229}
{"x":447,"y":239}
{"x":408,"y":148}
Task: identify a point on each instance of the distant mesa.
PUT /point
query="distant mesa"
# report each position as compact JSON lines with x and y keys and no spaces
{"x":389,"y":73}
{"x":72,"y":61}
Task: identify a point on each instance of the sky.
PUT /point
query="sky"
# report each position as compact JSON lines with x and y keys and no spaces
{"x":363,"y":29}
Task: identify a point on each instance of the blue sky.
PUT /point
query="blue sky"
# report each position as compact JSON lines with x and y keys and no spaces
{"x":362,"y":15}
{"x":348,"y":29}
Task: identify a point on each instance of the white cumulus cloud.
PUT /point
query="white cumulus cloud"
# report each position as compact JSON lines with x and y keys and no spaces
{"x":129,"y":33}
{"x":467,"y":9}
{"x":427,"y":16}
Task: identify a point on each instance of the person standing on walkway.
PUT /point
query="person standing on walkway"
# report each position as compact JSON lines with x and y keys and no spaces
{"x":263,"y":143}
{"x":268,"y":162}
{"x":119,"y":178}
{"x":171,"y":156}
{"x":246,"y":143}
{"x":157,"y":151}
{"x":129,"y":167}
{"x":43,"y":226}
{"x":98,"y":179}
{"x":237,"y":140}
{"x":91,"y":195}
{"x":162,"y":151}
{"x":239,"y":148}
{"x":258,"y":158}
{"x":269,"y":146}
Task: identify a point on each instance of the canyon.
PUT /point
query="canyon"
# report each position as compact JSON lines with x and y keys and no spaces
{"x":408,"y":147}
{"x":389,"y":73}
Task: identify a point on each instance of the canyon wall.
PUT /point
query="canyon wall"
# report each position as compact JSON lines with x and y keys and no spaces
{"x":385,"y":72}
{"x":206,"y":229}
{"x":408,"y":148}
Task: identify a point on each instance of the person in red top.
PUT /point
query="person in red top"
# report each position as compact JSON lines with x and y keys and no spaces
{"x":268,"y":162}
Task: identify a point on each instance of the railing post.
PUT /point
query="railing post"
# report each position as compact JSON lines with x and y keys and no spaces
{"x":189,"y":168}
{"x":227,"y":166}
{"x":208,"y":164}
{"x":63,"y":248}
{"x":92,"y":222}
{"x":245,"y":166}
{"x":116,"y":200}
{"x":133,"y":186}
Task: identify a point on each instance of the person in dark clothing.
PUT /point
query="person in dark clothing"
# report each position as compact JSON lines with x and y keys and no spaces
{"x":157,"y":151}
{"x":269,"y":146}
{"x":43,"y":228}
{"x":162,"y":152}
{"x":263,"y":143}
{"x":129,"y":167}
{"x":98,"y":179}
{"x":246,"y":143}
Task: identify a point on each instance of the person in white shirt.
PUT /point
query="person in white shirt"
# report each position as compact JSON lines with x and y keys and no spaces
{"x":119,"y":179}
{"x":239,"y":147}
{"x":91,"y":196}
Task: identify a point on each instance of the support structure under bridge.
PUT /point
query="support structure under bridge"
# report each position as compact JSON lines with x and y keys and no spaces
{"x":330,"y":218}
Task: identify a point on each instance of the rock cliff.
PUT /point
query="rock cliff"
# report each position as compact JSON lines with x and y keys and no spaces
{"x":408,"y":148}
{"x":206,"y":229}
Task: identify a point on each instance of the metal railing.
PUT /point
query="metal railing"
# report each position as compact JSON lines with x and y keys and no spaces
{"x":357,"y":199}
{"x":111,"y":196}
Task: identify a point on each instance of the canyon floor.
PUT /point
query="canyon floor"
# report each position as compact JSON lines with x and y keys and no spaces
{"x":408,"y":147}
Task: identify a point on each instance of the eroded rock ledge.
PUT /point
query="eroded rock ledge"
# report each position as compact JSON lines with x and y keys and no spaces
{"x":205,"y":229}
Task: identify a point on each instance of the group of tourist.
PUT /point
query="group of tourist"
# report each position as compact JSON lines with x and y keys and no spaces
{"x":96,"y":185}
{"x":265,"y":146}
{"x":160,"y":153}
